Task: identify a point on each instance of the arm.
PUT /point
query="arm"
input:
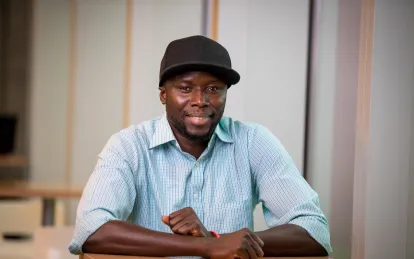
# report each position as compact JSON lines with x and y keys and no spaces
{"x":110,"y":192}
{"x":291,"y":208}
{"x":123,"y":238}
{"x":290,"y":240}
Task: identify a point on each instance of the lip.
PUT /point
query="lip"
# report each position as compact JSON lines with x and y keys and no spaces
{"x":198,"y":115}
{"x":198,"y":120}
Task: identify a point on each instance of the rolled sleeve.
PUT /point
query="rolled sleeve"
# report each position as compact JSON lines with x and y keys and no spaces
{"x":109,"y":193}
{"x":285,"y":195}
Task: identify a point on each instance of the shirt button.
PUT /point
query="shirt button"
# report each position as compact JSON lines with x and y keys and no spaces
{"x":197,"y":163}
{"x":196,"y":195}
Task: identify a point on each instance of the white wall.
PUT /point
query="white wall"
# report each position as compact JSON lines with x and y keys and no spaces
{"x":332,"y":115}
{"x":49,"y":89}
{"x":392,"y":102}
{"x":99,"y":81}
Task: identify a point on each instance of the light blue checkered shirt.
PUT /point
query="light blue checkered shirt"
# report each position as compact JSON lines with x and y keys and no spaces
{"x":142,"y":174}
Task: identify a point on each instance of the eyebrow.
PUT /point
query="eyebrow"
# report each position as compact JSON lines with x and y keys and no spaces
{"x":183,"y":80}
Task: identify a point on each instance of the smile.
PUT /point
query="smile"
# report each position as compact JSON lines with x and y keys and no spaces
{"x":198,"y":120}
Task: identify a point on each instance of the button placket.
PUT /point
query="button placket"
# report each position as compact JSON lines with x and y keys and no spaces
{"x":197,"y":183}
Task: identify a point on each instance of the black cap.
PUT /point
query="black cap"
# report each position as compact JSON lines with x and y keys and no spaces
{"x":197,"y":53}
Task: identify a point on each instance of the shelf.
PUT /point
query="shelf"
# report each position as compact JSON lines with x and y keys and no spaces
{"x":13,"y":161}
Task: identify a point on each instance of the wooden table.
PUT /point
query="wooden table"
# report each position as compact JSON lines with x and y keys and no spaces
{"x":98,"y":256}
{"x":47,"y":192}
{"x":13,"y":161}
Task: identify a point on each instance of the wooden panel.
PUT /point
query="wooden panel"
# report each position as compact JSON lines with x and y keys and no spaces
{"x":12,"y":161}
{"x":31,"y":189}
{"x":362,"y":129}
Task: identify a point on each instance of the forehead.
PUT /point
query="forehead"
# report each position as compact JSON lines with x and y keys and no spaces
{"x":196,"y":76}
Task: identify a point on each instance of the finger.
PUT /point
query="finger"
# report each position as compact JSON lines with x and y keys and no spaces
{"x":252,"y":252}
{"x":257,"y":239}
{"x":186,"y":229}
{"x":180,"y":212}
{"x":256,"y":247}
{"x":242,"y":254}
{"x":166,"y":220}
{"x":177,"y":226}
{"x":177,"y":219}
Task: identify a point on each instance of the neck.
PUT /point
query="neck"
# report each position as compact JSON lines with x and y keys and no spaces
{"x":194,"y":148}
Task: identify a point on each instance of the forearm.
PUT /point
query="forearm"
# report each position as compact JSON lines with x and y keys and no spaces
{"x":290,"y":240}
{"x":117,"y":237}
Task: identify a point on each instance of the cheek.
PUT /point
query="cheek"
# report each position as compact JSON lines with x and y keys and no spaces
{"x":219,"y":102}
{"x":175,"y":102}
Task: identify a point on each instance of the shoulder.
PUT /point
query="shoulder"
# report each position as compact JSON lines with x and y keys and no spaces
{"x":134,"y":135}
{"x":256,"y":138}
{"x":246,"y":131}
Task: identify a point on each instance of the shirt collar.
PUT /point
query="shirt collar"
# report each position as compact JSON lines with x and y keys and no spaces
{"x":163,"y":133}
{"x":222,"y":132}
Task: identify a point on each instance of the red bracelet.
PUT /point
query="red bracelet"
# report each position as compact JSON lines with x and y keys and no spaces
{"x":215,"y":234}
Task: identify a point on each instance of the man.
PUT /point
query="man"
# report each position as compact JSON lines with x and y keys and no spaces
{"x":186,"y":184}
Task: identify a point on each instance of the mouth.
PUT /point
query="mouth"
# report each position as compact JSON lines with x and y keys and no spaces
{"x":198,"y":119}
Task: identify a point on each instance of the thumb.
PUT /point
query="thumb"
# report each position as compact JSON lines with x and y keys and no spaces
{"x":166,"y":220}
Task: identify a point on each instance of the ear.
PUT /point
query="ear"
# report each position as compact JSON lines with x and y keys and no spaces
{"x":163,"y":94}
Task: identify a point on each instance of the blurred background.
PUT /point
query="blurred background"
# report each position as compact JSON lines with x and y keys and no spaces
{"x":332,"y":79}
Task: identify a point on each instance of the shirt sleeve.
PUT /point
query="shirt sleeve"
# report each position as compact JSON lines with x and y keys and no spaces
{"x":285,"y":195}
{"x":109,"y":193}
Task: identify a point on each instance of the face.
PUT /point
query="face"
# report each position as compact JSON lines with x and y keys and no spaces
{"x":194,"y":103}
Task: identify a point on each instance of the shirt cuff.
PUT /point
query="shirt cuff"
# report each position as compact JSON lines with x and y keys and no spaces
{"x":85,"y":227}
{"x":317,"y":229}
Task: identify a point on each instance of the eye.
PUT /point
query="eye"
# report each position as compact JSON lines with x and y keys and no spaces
{"x":185,"y":89}
{"x":213,"y":89}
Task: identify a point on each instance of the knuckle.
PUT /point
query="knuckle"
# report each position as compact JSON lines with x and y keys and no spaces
{"x":247,"y":230}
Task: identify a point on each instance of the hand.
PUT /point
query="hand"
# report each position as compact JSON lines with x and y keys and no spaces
{"x":242,"y":244}
{"x":186,"y":222}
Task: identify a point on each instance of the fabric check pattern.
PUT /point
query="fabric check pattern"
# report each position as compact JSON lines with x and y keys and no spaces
{"x":142,"y":175}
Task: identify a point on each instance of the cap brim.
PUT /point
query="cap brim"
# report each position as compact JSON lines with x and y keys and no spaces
{"x":228,"y":75}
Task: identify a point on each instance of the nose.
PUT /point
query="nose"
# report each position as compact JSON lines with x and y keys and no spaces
{"x":199,"y":98}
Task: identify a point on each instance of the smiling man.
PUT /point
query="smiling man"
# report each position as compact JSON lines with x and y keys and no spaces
{"x":186,"y":184}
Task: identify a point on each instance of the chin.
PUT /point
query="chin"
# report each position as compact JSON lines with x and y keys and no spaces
{"x":198,"y":135}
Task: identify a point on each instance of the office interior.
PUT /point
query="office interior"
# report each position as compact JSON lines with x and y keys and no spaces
{"x":332,"y":79}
